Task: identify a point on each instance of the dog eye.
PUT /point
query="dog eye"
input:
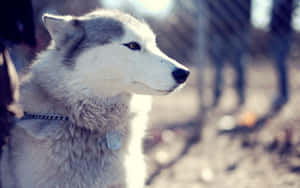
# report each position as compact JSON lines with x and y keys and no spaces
{"x":133,"y":45}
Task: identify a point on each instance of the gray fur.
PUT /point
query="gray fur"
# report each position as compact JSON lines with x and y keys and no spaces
{"x":90,"y":30}
{"x":101,"y":31}
{"x":68,"y":154}
{"x":95,"y":32}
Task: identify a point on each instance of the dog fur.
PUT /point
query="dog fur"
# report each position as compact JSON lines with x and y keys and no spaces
{"x":89,"y":74}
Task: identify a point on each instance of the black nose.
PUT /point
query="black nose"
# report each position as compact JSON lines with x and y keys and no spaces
{"x":180,"y":75}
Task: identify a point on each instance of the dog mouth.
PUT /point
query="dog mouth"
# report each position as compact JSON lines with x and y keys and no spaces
{"x":157,"y":91}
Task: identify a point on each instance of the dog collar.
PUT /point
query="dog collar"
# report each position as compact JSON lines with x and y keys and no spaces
{"x":113,"y":139}
{"x":28,"y":116}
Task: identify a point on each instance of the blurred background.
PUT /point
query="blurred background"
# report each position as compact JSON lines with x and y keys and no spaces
{"x":236,"y":122}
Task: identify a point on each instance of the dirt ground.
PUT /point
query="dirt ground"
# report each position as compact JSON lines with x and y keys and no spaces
{"x":226,"y":161}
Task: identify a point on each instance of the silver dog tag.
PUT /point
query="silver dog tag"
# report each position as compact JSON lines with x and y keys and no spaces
{"x":113,"y":140}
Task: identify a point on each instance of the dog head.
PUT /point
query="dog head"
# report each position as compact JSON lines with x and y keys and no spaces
{"x":110,"y":52}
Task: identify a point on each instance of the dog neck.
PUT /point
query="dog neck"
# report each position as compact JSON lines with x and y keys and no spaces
{"x":94,"y":113}
{"x":106,"y":114}
{"x":35,"y":99}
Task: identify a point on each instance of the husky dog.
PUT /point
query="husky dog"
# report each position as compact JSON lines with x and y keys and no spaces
{"x":85,"y":118}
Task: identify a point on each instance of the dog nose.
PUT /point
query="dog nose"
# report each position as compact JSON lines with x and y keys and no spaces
{"x":180,"y":75}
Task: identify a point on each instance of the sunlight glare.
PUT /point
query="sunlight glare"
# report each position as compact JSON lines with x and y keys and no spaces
{"x":261,"y":13}
{"x":153,"y":6}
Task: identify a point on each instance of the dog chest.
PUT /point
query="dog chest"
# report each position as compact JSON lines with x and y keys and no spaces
{"x":68,"y":159}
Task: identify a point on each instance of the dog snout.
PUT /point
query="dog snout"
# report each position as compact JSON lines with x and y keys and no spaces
{"x":180,"y":75}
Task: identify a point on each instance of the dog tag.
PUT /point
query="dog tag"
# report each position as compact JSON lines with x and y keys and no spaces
{"x":113,"y":140}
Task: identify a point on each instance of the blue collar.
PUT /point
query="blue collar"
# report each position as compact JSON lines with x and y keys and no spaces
{"x":113,"y":139}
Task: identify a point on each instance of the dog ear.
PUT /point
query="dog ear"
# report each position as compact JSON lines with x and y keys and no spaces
{"x":61,"y":28}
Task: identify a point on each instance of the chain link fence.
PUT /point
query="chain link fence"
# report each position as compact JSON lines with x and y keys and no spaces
{"x":242,"y":22}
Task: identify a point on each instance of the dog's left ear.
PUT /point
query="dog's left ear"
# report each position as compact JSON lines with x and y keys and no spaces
{"x":61,"y":28}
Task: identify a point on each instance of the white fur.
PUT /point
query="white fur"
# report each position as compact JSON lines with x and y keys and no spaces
{"x":148,"y":71}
